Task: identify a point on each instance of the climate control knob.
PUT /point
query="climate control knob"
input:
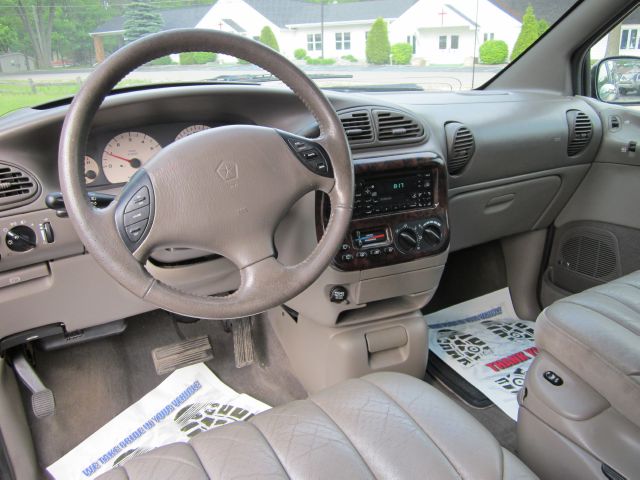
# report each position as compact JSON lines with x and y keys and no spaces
{"x":432,"y":234}
{"x":407,"y":240}
{"x":20,"y":239}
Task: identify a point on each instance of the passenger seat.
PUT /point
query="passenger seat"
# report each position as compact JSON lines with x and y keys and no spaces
{"x":384,"y":425}
{"x":579,"y":412}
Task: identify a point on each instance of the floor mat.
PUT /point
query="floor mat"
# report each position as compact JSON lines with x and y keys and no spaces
{"x":485,"y":342}
{"x":95,"y":381}
{"x":189,"y":401}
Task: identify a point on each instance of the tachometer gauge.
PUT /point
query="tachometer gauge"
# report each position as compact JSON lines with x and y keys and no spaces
{"x":190,"y":130}
{"x":126,"y":153}
{"x":91,"y":170}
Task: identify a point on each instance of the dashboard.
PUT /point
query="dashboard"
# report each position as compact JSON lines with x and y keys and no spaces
{"x":434,"y":173}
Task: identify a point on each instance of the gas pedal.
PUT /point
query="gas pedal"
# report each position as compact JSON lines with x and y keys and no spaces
{"x":182,"y":354}
{"x":243,"y":348}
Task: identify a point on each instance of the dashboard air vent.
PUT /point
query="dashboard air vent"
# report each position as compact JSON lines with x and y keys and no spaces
{"x":397,"y":127}
{"x":580,"y":132}
{"x":460,"y":146}
{"x":16,"y":186}
{"x":357,"y":126}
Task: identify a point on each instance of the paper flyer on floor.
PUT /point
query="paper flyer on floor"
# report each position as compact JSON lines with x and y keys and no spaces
{"x":484,"y":341}
{"x":189,"y":401}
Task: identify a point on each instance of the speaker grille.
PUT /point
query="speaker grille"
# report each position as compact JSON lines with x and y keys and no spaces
{"x":590,"y":253}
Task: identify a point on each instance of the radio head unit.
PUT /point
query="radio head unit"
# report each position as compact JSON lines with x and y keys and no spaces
{"x":385,"y":193}
{"x":400,"y":211}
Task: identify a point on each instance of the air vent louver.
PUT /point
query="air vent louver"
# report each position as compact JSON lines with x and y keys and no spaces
{"x":460,"y":147}
{"x":396,"y":126}
{"x":580,"y":132}
{"x":16,"y":186}
{"x":357,"y":126}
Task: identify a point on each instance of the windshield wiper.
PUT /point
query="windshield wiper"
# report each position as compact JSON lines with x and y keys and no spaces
{"x":267,"y":77}
{"x":394,"y":87}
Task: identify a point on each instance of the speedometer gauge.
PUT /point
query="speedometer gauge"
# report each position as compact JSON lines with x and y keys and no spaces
{"x":91,"y":170}
{"x":191,"y":130}
{"x":126,"y":153}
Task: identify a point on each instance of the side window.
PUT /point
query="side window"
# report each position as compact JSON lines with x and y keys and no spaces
{"x":615,"y":62}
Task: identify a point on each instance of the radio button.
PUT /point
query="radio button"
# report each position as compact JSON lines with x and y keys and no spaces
{"x":362,"y":254}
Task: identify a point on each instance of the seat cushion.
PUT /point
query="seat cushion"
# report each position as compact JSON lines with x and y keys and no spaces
{"x":384,"y":425}
{"x":596,"y":334}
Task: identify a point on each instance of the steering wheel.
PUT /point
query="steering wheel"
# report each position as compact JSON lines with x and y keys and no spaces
{"x":223,"y":190}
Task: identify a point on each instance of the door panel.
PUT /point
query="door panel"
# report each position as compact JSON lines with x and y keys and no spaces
{"x":597,"y":234}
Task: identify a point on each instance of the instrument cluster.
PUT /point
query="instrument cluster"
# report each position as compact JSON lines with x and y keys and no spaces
{"x":113,"y":157}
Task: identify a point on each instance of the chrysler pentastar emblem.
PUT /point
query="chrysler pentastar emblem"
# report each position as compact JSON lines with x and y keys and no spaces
{"x":227,"y":171}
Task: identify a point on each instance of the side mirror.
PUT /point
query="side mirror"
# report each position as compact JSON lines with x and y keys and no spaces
{"x":617,"y":80}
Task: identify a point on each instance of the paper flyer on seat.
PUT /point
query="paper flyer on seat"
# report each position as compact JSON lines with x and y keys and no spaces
{"x":485,"y":342}
{"x":189,"y":401}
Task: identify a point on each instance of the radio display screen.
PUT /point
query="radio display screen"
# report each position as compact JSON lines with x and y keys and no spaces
{"x":387,"y":188}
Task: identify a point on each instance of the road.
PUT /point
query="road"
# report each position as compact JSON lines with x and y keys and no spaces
{"x":445,"y":78}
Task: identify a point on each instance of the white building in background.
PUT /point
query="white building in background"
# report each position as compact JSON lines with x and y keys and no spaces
{"x":447,"y":32}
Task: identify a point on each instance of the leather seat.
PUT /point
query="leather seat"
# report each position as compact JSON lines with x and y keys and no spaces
{"x":591,"y":421}
{"x":385,"y":425}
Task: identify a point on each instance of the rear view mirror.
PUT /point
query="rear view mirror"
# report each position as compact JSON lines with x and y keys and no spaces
{"x":617,"y":80}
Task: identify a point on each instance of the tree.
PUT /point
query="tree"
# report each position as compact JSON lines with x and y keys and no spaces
{"x":8,"y":38}
{"x":268,"y":38}
{"x":141,"y":19}
{"x":493,"y":52}
{"x":71,"y":28}
{"x":401,"y":53}
{"x":378,"y":48}
{"x":529,"y":32}
{"x":543,"y":26}
{"x":37,"y":19}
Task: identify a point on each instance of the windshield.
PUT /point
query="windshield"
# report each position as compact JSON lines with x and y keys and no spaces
{"x":48,"y":47}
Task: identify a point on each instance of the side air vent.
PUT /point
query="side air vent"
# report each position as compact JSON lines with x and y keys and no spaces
{"x":580,"y":132}
{"x":460,"y":147}
{"x":397,"y":127}
{"x":357,"y":126}
{"x":591,"y":254}
{"x":17,"y":187}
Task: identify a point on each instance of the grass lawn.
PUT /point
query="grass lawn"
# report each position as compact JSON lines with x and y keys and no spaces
{"x":18,"y":94}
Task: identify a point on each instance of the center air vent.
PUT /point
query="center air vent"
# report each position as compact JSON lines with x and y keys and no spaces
{"x":397,"y":127}
{"x":580,"y":132}
{"x":460,"y":146}
{"x":17,"y":187}
{"x":357,"y":126}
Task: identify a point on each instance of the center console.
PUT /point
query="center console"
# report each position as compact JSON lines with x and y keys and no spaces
{"x":400,"y":212}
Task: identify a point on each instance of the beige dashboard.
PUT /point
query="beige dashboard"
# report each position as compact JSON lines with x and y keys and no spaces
{"x":55,"y":281}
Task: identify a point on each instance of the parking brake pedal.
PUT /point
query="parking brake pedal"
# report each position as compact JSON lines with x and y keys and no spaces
{"x":42,"y":400}
{"x":243,"y":349}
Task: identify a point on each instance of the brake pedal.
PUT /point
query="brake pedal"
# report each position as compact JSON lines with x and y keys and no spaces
{"x":243,"y":348}
{"x":182,"y":354}
{"x":43,"y":402}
